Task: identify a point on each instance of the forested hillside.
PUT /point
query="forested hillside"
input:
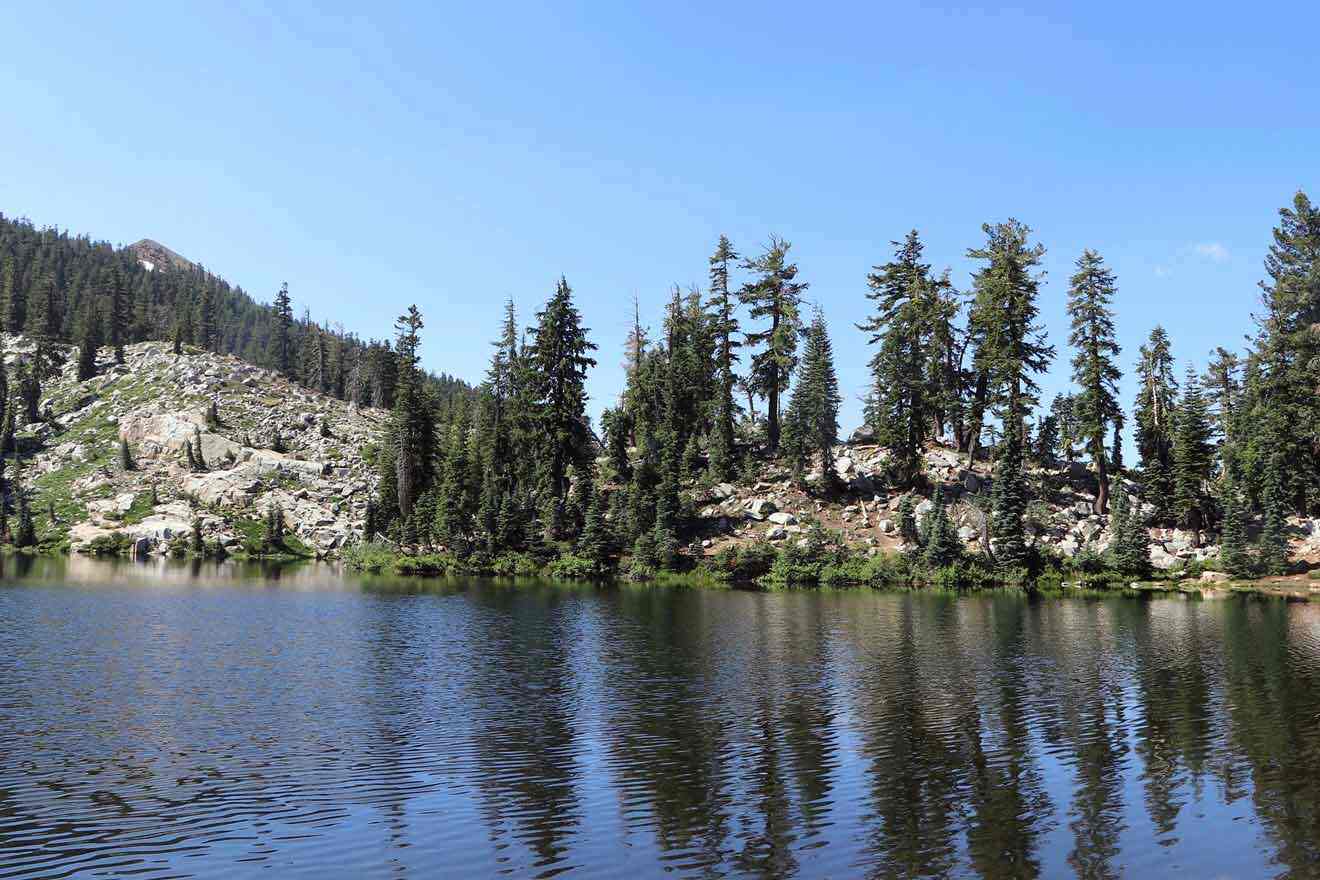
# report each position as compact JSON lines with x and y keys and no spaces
{"x":739,"y":385}
{"x":59,"y":288}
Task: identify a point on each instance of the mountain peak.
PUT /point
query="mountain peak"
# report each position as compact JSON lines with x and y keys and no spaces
{"x":154,"y":255}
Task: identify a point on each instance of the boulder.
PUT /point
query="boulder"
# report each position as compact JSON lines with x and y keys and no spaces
{"x":971,"y":482}
{"x":1215,"y":576}
{"x":843,"y":466}
{"x":924,"y":507}
{"x":721,"y":491}
{"x":864,"y":434}
{"x":781,"y":518}
{"x":776,"y":533}
{"x":760,"y":508}
{"x":1161,"y":558}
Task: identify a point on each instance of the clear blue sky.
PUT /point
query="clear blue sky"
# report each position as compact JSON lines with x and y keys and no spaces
{"x":457,"y":156}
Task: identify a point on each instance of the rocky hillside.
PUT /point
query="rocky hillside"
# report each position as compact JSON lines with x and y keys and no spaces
{"x":1061,"y":520}
{"x":158,"y":402}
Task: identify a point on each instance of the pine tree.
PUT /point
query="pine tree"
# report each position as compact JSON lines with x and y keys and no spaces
{"x":1233,"y":554}
{"x":282,"y":354}
{"x":1047,"y":438}
{"x":594,"y":542}
{"x":1275,"y":500}
{"x":87,"y":346}
{"x":814,"y":409}
{"x":724,"y":325}
{"x":559,"y":361}
{"x":1003,"y":324}
{"x":208,"y":320}
{"x":1155,"y":422}
{"x":904,"y":401}
{"x":198,"y":458}
{"x":120,"y":311}
{"x":1284,"y":408}
{"x":126,"y":457}
{"x":942,"y":544}
{"x":1130,"y":542}
{"x":774,"y":294}
{"x":1191,"y":457}
{"x":1094,"y":370}
{"x":907,"y":519}
{"x":1010,"y":501}
{"x":13,"y":297}
{"x":198,"y":545}
{"x":412,"y":424}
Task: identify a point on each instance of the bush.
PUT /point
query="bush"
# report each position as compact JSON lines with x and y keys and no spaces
{"x":572,"y":568}
{"x":514,"y":565}
{"x":881,"y":570}
{"x":113,"y":544}
{"x":745,"y":563}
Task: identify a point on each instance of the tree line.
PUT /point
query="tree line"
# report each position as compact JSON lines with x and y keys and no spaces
{"x":742,"y":373}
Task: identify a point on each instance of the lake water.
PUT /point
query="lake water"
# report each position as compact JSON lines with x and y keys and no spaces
{"x":199,"y":722}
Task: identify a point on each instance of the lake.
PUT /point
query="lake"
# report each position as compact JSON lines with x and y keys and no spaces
{"x":195,"y":721}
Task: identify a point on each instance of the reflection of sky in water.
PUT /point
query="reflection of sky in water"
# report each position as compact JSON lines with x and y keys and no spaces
{"x":194,"y":723}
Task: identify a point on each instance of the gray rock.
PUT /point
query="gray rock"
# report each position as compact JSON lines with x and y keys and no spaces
{"x":1215,"y":576}
{"x":776,"y":533}
{"x":1161,"y":558}
{"x":781,"y":518}
{"x":864,"y":434}
{"x":760,"y":508}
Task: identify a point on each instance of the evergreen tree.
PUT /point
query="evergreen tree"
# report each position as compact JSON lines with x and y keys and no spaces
{"x":121,"y":314}
{"x":282,"y":353}
{"x":1154,"y":416}
{"x":814,"y":409}
{"x":1094,"y":370}
{"x":25,"y":530}
{"x":87,"y":346}
{"x":13,"y":305}
{"x":1047,"y":438}
{"x":1191,"y":457}
{"x":724,"y":325}
{"x":559,"y":360}
{"x":198,"y":546}
{"x":126,"y":457}
{"x":904,"y":401}
{"x":942,"y":544}
{"x":1010,"y":501}
{"x":774,"y":294}
{"x":1233,"y":538}
{"x":412,"y":424}
{"x":594,"y":542}
{"x":907,"y":519}
{"x":1284,"y":406}
{"x":1010,"y":347}
{"x":1130,"y":542}
{"x":1275,"y":500}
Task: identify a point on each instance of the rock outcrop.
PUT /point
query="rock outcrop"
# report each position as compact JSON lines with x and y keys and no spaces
{"x":157,"y":402}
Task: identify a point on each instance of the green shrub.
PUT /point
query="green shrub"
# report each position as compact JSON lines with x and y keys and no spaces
{"x":737,"y":564}
{"x":572,"y":568}
{"x":113,"y":544}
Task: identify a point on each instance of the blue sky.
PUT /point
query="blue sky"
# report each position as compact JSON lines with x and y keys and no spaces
{"x":456,"y":156}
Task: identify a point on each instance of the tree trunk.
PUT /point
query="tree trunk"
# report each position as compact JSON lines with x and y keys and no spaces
{"x":772,"y":416}
{"x":1102,"y":477}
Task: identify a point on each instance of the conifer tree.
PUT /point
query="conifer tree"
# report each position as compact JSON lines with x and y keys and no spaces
{"x":814,"y":409}
{"x":942,"y":544}
{"x":25,"y":529}
{"x":903,"y":404}
{"x":594,"y":542}
{"x":1285,"y":407}
{"x":412,"y":425}
{"x":1154,"y":415}
{"x":774,"y":294}
{"x":559,"y":361}
{"x":13,"y":298}
{"x":282,"y":354}
{"x":121,"y":313}
{"x":1130,"y":540}
{"x":1010,"y":501}
{"x":1047,"y":438}
{"x":87,"y":346}
{"x":907,"y":519}
{"x":1275,"y":500}
{"x":724,"y":325}
{"x":126,"y":456}
{"x":1191,"y":457}
{"x":1003,"y":322}
{"x":1094,"y":370}
{"x":1233,"y":554}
